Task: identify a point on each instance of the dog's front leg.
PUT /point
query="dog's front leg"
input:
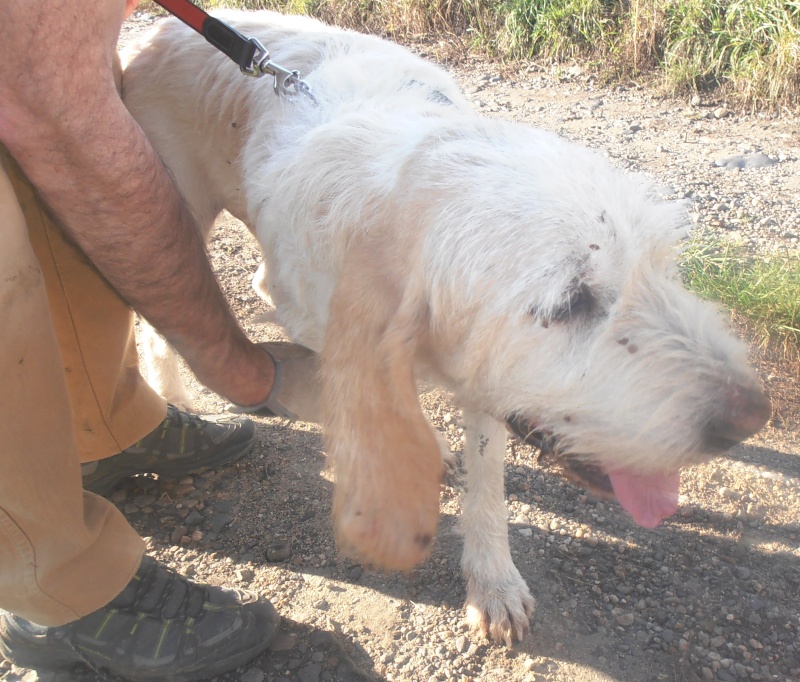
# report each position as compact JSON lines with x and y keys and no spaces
{"x":498,"y":600}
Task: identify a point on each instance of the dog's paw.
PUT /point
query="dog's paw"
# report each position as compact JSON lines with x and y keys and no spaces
{"x":449,"y":464}
{"x":449,"y":459}
{"x":500,"y":609}
{"x":389,"y":534}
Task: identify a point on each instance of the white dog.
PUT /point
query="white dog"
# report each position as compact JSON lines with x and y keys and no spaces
{"x":405,"y":237}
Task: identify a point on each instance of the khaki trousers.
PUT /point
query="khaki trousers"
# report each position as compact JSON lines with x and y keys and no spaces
{"x":70,"y":392}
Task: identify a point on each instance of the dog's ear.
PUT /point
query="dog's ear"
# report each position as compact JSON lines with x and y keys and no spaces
{"x":386,"y":459}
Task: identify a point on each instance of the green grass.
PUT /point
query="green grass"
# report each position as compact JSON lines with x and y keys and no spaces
{"x":751,"y":45}
{"x":748,"y":48}
{"x":557,"y":28}
{"x":764,"y":290}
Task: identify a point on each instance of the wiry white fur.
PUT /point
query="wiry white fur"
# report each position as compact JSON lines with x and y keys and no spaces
{"x":468,"y":236}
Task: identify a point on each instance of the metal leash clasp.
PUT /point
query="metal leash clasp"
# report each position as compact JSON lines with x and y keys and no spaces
{"x":285,"y":82}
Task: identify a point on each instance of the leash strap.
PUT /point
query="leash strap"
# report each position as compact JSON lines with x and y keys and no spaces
{"x":251,"y":56}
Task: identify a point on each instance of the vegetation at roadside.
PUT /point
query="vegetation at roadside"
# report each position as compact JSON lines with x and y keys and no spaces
{"x":750,"y":48}
{"x":764,"y":290}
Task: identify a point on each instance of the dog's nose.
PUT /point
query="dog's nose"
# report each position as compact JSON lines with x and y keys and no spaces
{"x":741,"y":413}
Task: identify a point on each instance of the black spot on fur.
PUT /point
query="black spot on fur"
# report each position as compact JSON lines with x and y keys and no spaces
{"x":623,"y":341}
{"x":594,"y":247}
{"x":423,"y":540}
{"x":581,"y":303}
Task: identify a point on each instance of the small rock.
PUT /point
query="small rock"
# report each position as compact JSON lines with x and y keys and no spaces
{"x":310,"y":673}
{"x":721,"y":112}
{"x":143,"y":501}
{"x":279,"y":551}
{"x":322,"y":638}
{"x":283,"y":643}
{"x":195,"y":518}
{"x":244,"y":575}
{"x":119,"y":495}
{"x":253,"y":675}
{"x":757,"y":160}
{"x":220,"y":521}
{"x":462,"y":644}
{"x":223,"y":506}
{"x":347,"y":671}
{"x":728,"y":494}
{"x":624,"y":619}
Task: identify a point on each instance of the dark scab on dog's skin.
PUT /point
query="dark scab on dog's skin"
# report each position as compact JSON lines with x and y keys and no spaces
{"x":633,"y":348}
{"x":423,"y":540}
{"x":594,"y":247}
{"x":623,"y":341}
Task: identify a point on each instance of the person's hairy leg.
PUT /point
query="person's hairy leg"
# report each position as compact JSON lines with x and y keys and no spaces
{"x":63,"y":121}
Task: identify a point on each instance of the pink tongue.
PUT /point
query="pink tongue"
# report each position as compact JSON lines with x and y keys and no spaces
{"x":648,"y":499}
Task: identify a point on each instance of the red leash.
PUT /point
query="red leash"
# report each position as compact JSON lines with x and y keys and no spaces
{"x":251,"y":56}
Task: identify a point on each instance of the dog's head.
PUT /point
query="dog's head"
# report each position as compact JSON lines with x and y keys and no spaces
{"x":540,"y":285}
{"x":556,"y":305}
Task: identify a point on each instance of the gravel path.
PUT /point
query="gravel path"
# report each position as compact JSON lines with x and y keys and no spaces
{"x":712,"y":594}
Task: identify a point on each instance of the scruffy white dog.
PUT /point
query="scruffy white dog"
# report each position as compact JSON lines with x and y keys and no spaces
{"x":405,"y":237}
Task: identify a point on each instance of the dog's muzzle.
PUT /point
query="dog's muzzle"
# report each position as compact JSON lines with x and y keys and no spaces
{"x":580,"y":472}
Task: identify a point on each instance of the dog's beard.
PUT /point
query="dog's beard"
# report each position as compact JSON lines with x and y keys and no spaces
{"x":648,"y":498}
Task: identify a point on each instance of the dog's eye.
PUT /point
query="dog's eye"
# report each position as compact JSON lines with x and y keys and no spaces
{"x":581,"y":303}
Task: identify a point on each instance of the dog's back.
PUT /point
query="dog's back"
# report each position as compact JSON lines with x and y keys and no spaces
{"x":172,"y":102}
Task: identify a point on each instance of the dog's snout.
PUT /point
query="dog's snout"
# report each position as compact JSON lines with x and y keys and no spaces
{"x":742,"y":412}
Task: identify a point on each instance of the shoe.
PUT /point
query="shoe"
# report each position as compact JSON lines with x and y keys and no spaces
{"x":162,"y":627}
{"x":182,"y":444}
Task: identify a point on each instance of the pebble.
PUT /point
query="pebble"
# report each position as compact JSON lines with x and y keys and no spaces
{"x":245,"y":575}
{"x":757,"y":160}
{"x":253,"y":675}
{"x":462,"y":644}
{"x":624,"y":619}
{"x":279,"y":551}
{"x":220,"y":521}
{"x":309,"y":673}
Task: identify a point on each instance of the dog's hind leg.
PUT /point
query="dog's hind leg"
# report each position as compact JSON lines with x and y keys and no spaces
{"x":499,"y":603}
